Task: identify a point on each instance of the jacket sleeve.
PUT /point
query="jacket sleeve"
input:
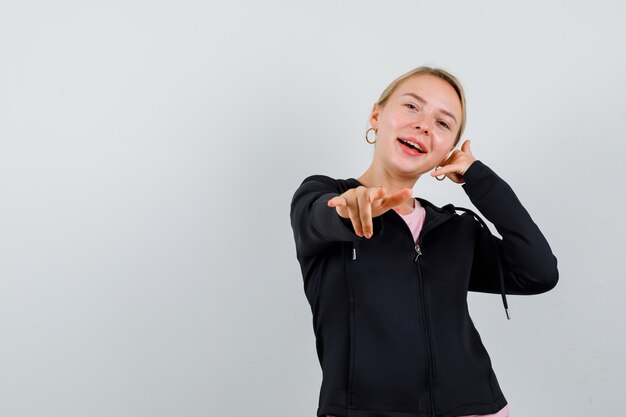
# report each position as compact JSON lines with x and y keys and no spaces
{"x":528,"y":264}
{"x":315,"y":225}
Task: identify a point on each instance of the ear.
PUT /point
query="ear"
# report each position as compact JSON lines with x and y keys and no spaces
{"x":374,"y":116}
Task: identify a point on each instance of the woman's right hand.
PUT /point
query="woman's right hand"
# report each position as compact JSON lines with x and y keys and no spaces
{"x":361,"y":204}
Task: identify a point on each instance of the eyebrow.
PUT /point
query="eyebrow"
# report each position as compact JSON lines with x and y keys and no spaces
{"x":418,"y":98}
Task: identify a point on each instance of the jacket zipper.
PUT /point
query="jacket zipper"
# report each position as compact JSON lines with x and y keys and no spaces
{"x":431,"y":366}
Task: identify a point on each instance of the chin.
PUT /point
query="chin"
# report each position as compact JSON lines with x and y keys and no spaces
{"x":408,"y":171}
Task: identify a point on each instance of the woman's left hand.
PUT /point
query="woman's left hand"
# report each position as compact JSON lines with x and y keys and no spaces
{"x":457,"y":163}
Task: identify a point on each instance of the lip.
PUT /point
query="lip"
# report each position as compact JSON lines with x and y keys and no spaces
{"x":414,"y":140}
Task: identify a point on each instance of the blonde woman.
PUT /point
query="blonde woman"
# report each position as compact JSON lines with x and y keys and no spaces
{"x":387,"y":274}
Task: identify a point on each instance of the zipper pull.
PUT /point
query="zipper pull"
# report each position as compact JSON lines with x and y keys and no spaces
{"x":419,"y":252}
{"x":353,"y":254}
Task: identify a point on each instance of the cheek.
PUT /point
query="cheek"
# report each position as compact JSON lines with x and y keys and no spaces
{"x":397,"y":121}
{"x":446,"y":137}
{"x":442,"y":145}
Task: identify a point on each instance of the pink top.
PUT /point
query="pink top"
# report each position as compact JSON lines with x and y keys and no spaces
{"x":415,"y":221}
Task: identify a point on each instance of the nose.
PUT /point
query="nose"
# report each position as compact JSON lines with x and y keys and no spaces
{"x":422,"y":125}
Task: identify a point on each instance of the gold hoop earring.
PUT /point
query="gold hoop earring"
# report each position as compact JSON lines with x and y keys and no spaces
{"x":367,"y":138}
{"x":444,"y":175}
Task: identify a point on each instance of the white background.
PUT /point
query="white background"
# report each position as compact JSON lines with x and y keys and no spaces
{"x":149,"y":151}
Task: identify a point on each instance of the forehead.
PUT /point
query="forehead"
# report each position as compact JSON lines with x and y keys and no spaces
{"x":435,"y":91}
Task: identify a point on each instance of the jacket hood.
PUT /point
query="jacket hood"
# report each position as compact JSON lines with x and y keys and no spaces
{"x":441,"y":214}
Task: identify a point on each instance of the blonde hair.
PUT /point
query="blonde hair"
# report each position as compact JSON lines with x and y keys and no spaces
{"x":437,"y":72}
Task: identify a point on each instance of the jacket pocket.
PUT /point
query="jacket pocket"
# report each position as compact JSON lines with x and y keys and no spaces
{"x":388,"y":360}
{"x":463,"y":368}
{"x":350,"y":257}
{"x":484,"y":360}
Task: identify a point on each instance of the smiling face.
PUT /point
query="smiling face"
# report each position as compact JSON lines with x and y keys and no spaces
{"x":424,"y":110}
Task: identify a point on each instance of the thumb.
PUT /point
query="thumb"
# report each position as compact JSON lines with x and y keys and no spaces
{"x":466,"y":146}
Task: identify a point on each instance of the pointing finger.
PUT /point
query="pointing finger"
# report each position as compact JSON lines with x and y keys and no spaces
{"x":397,"y":198}
{"x":337,"y":201}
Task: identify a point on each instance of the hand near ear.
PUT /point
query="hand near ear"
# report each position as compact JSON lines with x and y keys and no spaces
{"x":456,"y":164}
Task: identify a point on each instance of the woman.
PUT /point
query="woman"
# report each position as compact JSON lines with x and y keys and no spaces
{"x":387,"y":274}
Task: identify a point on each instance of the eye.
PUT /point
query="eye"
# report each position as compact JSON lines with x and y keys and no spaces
{"x":444,"y":124}
{"x":411,"y":106}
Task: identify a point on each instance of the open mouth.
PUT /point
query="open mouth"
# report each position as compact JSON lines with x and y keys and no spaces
{"x":411,"y":145}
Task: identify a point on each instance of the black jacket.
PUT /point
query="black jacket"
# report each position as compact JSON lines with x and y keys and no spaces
{"x":393,"y":333}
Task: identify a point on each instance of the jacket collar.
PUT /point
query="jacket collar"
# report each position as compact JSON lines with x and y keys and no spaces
{"x":435,"y":215}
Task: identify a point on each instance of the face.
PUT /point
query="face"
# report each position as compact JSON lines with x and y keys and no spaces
{"x":424,"y":110}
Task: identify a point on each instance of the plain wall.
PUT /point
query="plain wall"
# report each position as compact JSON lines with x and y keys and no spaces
{"x":149,"y":151}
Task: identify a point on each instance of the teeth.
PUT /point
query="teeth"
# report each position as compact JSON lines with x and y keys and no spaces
{"x":414,"y":145}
